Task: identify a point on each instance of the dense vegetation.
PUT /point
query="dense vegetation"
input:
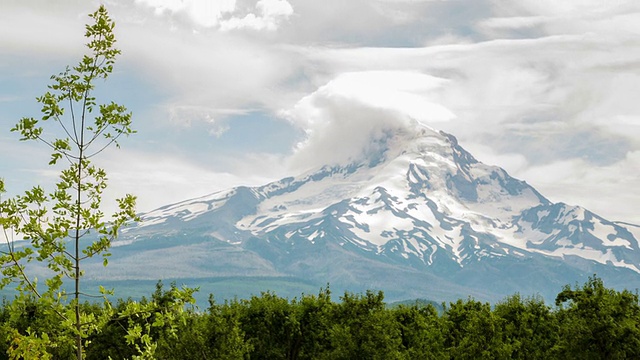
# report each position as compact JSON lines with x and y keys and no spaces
{"x":586,"y":322}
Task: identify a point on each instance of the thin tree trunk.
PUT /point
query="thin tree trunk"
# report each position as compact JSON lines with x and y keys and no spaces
{"x":77,"y":237}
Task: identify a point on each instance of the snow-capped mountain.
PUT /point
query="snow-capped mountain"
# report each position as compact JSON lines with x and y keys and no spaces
{"x":415,"y":215}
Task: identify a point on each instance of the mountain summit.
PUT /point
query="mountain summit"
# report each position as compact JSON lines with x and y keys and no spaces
{"x":413,"y":214}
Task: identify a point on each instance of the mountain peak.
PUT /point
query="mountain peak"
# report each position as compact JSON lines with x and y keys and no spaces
{"x":413,"y":202}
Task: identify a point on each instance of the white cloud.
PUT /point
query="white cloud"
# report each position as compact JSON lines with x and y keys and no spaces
{"x":28,"y":32}
{"x":224,"y":13}
{"x":607,"y":190}
{"x":270,"y":13}
{"x":213,"y":70}
{"x":205,"y":13}
{"x":570,"y":17}
{"x":591,"y":8}
{"x":274,"y":8}
{"x":408,"y":93}
{"x":514,"y":163}
{"x":489,"y":83}
{"x":411,"y":1}
{"x":514,"y":22}
{"x":559,"y":83}
{"x":342,"y":117}
{"x":159,"y":178}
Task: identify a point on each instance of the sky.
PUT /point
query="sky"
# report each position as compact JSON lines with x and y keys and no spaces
{"x":243,"y":92}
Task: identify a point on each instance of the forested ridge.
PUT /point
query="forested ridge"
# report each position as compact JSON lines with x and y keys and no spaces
{"x":586,"y":322}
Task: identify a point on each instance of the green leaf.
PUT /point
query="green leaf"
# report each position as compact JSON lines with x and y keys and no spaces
{"x":54,"y":158}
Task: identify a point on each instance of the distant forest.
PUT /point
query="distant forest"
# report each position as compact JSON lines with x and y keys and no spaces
{"x":586,"y":322}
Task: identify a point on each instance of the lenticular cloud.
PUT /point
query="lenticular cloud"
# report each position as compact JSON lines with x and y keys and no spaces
{"x":343,"y":118}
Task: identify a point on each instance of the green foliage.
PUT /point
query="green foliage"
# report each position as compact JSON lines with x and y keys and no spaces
{"x":530,"y":329}
{"x":33,"y":330}
{"x":363,"y":329}
{"x":53,"y":222}
{"x":149,"y":320}
{"x":473,"y":331}
{"x":314,"y":315}
{"x":598,"y":323}
{"x":421,"y":331}
{"x":269,"y":325}
{"x":590,"y":322}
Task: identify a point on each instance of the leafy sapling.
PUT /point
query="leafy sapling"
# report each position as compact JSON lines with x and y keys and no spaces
{"x":65,"y":226}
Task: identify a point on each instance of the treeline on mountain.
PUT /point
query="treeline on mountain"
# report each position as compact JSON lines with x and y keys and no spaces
{"x":586,"y":322}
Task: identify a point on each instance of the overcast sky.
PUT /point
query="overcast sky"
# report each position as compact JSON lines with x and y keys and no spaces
{"x":241,"y":92}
